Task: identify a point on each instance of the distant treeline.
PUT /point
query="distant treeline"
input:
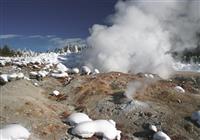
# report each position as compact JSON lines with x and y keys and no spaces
{"x":7,"y":51}
{"x":188,"y":55}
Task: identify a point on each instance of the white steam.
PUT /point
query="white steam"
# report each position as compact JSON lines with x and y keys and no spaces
{"x":133,"y":88}
{"x":141,"y":35}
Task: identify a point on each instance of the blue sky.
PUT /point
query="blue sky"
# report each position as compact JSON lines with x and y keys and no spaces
{"x":38,"y":24}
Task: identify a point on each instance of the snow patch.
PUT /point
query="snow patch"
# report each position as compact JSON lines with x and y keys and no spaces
{"x":77,"y":118}
{"x":179,"y":89}
{"x":14,"y":132}
{"x":56,"y":93}
{"x":161,"y":136}
{"x":85,"y":70}
{"x":103,"y":128}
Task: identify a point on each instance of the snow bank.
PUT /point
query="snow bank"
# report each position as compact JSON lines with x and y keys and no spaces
{"x":14,"y":132}
{"x":178,"y":66}
{"x":77,"y":118}
{"x":103,"y":128}
{"x":179,"y":89}
{"x":196,"y":117}
{"x":160,"y":136}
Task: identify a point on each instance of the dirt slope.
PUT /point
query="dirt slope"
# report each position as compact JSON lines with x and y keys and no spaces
{"x":101,"y":97}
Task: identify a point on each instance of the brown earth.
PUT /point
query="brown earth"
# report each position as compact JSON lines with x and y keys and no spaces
{"x":101,"y":97}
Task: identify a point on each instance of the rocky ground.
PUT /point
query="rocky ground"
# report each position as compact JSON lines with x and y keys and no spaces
{"x":101,"y":96}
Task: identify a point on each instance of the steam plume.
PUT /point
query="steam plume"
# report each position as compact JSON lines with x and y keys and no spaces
{"x":141,"y":34}
{"x":132,"y":88}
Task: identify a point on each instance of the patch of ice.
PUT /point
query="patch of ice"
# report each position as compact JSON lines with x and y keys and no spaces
{"x":77,"y":118}
{"x":14,"y":132}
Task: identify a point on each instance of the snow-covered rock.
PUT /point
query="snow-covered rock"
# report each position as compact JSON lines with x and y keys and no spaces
{"x":59,"y":75}
{"x":48,"y":66}
{"x":85,"y":70}
{"x":153,"y":128}
{"x":36,"y":84}
{"x":103,"y":128}
{"x":2,"y":63}
{"x":74,"y":71}
{"x":17,"y":63}
{"x":76,"y":118}
{"x":149,"y":76}
{"x":36,"y":66}
{"x":61,"y":68}
{"x":75,"y":49}
{"x":43,"y":73}
{"x":196,"y":117}
{"x":20,"y":75}
{"x":14,"y":132}
{"x":161,"y":136}
{"x":96,"y":71}
{"x":3,"y":78}
{"x":68,"y":51}
{"x":179,"y":89}
{"x":12,"y":76}
{"x":56,"y":93}
{"x":26,"y":78}
{"x":15,"y":76}
{"x":33,"y":73}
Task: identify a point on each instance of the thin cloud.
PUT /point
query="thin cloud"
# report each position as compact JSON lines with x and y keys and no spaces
{"x":9,"y":36}
{"x":42,"y":36}
{"x":36,"y":36}
{"x":50,"y":36}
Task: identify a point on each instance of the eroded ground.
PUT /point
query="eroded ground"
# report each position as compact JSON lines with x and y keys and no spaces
{"x":101,"y":97}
